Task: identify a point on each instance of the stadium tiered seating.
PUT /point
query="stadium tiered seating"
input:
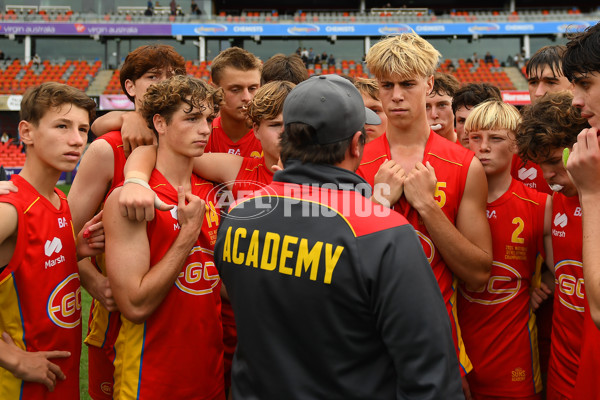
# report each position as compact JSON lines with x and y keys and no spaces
{"x":481,"y":72}
{"x":16,"y":78}
{"x":11,"y":155}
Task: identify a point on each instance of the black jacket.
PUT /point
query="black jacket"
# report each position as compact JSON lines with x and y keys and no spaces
{"x":333,"y":296}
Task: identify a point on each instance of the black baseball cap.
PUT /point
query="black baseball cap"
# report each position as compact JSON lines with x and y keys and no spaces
{"x":331,"y":105}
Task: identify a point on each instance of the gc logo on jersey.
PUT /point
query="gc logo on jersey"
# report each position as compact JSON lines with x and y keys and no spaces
{"x":64,"y":304}
{"x":428,"y":246}
{"x":198,"y":278}
{"x":571,"y":290}
{"x":504,"y":284}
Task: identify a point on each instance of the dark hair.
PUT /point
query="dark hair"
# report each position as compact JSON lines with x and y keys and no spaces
{"x":39,"y":99}
{"x":164,"y":98}
{"x":298,"y":142}
{"x":444,"y":84}
{"x":550,"y":56}
{"x":550,"y":123}
{"x":150,"y":57}
{"x":583,"y":53}
{"x":233,"y":57}
{"x":284,"y":68}
{"x":473,"y":94}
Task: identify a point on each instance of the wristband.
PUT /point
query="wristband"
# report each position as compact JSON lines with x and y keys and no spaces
{"x":157,"y":202}
{"x":138,"y":181}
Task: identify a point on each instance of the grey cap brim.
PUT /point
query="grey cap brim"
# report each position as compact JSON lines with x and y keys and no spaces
{"x":371,"y":117}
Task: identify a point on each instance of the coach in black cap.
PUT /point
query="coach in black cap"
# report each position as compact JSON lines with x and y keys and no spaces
{"x":332,"y":295}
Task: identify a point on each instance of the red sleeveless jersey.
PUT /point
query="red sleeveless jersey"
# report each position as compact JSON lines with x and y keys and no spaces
{"x":569,"y":294}
{"x":497,"y":324}
{"x":587,"y":385}
{"x":530,"y":174}
{"x":219,"y":142}
{"x":40,"y":294}
{"x":252,"y":176}
{"x":177,"y":353}
{"x":451,"y":163}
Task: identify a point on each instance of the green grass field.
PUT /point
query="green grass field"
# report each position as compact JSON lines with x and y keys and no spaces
{"x":86,"y":301}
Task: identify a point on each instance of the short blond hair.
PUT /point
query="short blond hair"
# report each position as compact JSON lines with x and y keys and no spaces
{"x":407,"y":55}
{"x":368,"y":87}
{"x":493,"y":115}
{"x":268,"y":101}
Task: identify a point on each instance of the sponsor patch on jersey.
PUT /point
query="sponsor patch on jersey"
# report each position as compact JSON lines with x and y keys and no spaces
{"x":199,"y":276}
{"x":64,"y":304}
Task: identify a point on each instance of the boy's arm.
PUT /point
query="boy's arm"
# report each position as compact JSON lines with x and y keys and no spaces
{"x":584,"y":167}
{"x":546,"y":289}
{"x":31,"y":366}
{"x":111,"y":121}
{"x":218,"y":167}
{"x":548,"y":235}
{"x":133,"y":127}
{"x":136,"y":201}
{"x":139,"y":289}
{"x":467,"y":247}
{"x":8,"y":232}
{"x":91,"y":183}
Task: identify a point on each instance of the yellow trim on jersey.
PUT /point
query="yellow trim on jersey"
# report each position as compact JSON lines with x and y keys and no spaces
{"x":443,"y":159}
{"x":254,"y":168}
{"x":159,"y":185}
{"x":529,"y":200}
{"x":463,"y":358}
{"x":533,"y":334}
{"x":372,"y":161}
{"x":296,"y":198}
{"x":12,"y":323}
{"x":129,"y":349}
{"x":31,"y":205}
{"x":98,"y":324}
{"x":203,"y":183}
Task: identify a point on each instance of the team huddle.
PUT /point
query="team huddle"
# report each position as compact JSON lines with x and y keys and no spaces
{"x":275,"y":236}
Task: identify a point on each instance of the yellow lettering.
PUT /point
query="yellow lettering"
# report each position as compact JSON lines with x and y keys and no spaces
{"x":68,"y":304}
{"x":252,"y":257}
{"x":520,"y":226}
{"x":285,"y":254}
{"x":193,"y":272}
{"x":331,"y":260}
{"x":227,"y":246}
{"x":439,"y":194}
{"x":238,"y":258}
{"x":308,"y":259}
{"x":271,"y":247}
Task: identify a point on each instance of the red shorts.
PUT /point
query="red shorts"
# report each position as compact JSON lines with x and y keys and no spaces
{"x":100,"y":373}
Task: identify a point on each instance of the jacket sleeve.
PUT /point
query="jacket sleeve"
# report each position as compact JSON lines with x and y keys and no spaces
{"x":410,"y":315}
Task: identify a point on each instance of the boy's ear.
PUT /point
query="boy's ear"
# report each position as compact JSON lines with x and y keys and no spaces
{"x":130,"y":87}
{"x":160,"y":124}
{"x":255,"y":129}
{"x":26,"y":132}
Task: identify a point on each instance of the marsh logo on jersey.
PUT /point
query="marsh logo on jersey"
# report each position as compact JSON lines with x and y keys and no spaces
{"x":560,"y":220}
{"x":52,"y":247}
{"x":64,"y":304}
{"x":199,"y":276}
{"x":527,"y":173}
{"x":491,"y":215}
{"x":173,"y":212}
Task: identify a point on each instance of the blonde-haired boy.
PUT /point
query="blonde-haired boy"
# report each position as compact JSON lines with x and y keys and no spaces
{"x":497,"y":323}
{"x":434,"y":183}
